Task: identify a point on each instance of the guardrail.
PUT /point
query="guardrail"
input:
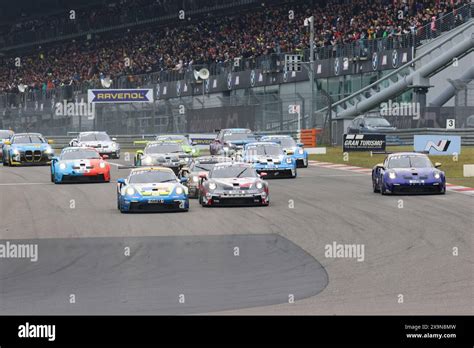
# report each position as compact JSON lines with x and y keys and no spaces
{"x":394,"y":138}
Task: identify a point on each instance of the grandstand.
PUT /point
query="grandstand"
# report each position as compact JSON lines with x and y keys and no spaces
{"x":360,"y":48}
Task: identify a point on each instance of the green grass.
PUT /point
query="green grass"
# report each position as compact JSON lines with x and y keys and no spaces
{"x":452,"y":168}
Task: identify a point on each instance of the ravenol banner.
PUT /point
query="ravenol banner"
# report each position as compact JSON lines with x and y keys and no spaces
{"x":438,"y":144}
{"x":120,"y":96}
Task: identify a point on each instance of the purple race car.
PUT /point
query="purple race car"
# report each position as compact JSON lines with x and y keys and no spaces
{"x":408,"y":172}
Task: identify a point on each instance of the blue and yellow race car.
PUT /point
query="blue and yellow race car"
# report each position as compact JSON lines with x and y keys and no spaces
{"x":408,"y":172}
{"x":152,"y":189}
{"x":27,"y":149}
{"x":269,"y":157}
{"x":290,"y":147}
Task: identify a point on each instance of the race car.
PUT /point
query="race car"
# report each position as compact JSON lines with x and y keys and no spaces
{"x":5,"y":135}
{"x":269,"y":158}
{"x":231,"y":141}
{"x":408,"y":172}
{"x":151,"y":189}
{"x":187,"y":146}
{"x":99,"y":141}
{"x":163,"y":154}
{"x":200,"y":166}
{"x":79,"y":164}
{"x":27,"y":149}
{"x":290,"y":147}
{"x":233,"y":183}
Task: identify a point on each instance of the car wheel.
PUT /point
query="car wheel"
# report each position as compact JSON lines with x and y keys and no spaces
{"x":383,"y":192}
{"x":52,"y":177}
{"x":375,"y":186}
{"x":442,"y":191}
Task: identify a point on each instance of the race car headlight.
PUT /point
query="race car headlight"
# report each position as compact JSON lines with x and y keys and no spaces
{"x":113,"y":146}
{"x":226,"y":149}
{"x":212,"y":186}
{"x":193,"y":150}
{"x":130,"y":191}
{"x":62,"y":166}
{"x":195,"y":179}
{"x":102,"y":165}
{"x":179,"y":190}
{"x":259,"y":185}
{"x":147,"y":160}
{"x":288,"y":160}
{"x":49,"y":151}
{"x":16,"y":152}
{"x":437,"y":176}
{"x":392,"y":175}
{"x":300,"y":151}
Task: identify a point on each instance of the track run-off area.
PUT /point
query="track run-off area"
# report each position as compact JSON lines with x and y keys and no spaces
{"x":415,"y":251}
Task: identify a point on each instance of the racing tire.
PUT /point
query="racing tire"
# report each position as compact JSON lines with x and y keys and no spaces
{"x":383,"y":191}
{"x":307,"y":163}
{"x":296,"y":174}
{"x":375,"y":187}
{"x":52,"y":178}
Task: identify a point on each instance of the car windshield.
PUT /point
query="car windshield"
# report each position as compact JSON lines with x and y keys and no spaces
{"x":239,"y":136}
{"x":204,"y":166}
{"x":409,"y":162}
{"x":233,"y":172}
{"x":285,"y":142}
{"x":377,"y":122}
{"x":151,"y":176}
{"x":28,"y":139}
{"x":94,"y":137}
{"x":5,"y":134}
{"x":79,"y":154}
{"x":265,"y":150}
{"x":178,"y":138}
{"x":163,"y":148}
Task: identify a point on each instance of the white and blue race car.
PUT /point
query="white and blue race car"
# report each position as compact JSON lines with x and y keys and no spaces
{"x":290,"y":147}
{"x":270,"y":158}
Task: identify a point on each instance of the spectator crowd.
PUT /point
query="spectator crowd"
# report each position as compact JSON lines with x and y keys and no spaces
{"x":215,"y":38}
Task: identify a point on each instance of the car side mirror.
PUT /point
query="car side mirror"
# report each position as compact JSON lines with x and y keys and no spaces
{"x":114,"y":139}
{"x":105,"y":157}
{"x":300,"y":144}
{"x":183,"y":179}
{"x":50,"y":141}
{"x":139,"y":153}
{"x":54,"y":159}
{"x":121,"y":182}
{"x":380,"y":166}
{"x":7,"y":142}
{"x":263,"y":174}
{"x":203,"y":176}
{"x":437,"y":165}
{"x":361,"y":125}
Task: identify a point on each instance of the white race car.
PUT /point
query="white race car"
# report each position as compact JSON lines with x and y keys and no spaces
{"x":99,"y":141}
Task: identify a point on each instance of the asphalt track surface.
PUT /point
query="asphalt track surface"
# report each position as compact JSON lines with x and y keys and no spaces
{"x":281,"y":251}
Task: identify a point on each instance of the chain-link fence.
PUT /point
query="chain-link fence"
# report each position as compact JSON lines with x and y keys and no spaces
{"x":263,"y":112}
